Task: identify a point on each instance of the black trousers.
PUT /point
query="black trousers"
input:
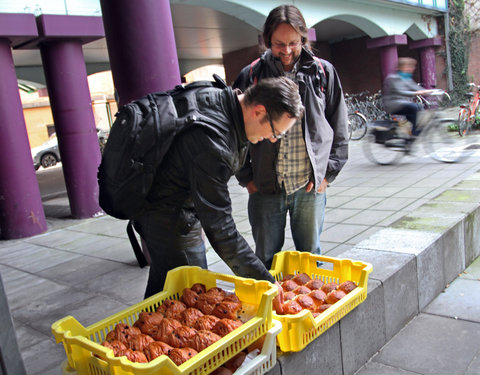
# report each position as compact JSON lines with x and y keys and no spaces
{"x":410,"y":111}
{"x":169,"y":247}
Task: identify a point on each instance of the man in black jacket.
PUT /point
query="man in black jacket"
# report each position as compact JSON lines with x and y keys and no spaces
{"x":190,"y":191}
{"x":291,"y":176}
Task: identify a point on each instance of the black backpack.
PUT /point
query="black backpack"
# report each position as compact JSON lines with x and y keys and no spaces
{"x":139,"y":139}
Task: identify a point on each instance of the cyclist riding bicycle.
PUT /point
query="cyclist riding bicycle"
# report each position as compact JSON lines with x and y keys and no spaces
{"x":399,"y":91}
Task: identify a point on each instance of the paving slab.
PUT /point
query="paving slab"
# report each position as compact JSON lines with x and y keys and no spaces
{"x":81,"y":269}
{"x":472,"y":272}
{"x":44,"y":358}
{"x":342,"y":232}
{"x":459,"y":301}
{"x":432,"y":345}
{"x":375,"y":368}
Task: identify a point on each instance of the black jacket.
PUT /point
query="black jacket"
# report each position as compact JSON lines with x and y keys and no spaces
{"x":325,"y":118}
{"x":192,"y":182}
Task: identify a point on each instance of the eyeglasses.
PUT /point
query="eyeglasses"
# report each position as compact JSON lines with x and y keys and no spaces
{"x":290,"y":45}
{"x":274,"y":133}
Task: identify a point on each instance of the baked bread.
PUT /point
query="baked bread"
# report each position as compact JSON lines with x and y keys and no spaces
{"x":224,"y":326}
{"x":189,"y":297}
{"x":301,"y":278}
{"x":181,"y":336}
{"x":135,"y":356}
{"x":334,"y":296}
{"x":181,"y":355}
{"x":199,"y":288}
{"x":147,"y":322}
{"x":139,"y":342}
{"x":327,"y":288}
{"x":289,"y":285}
{"x":347,"y":286}
{"x":206,"y":322}
{"x":203,"y":339}
{"x":291,"y":307}
{"x":314,"y":284}
{"x":301,"y":289}
{"x":165,"y":329}
{"x":156,"y":349}
{"x":118,"y":347}
{"x":306,"y":302}
{"x":226,"y":310}
{"x":189,"y":316}
{"x":122,"y":333}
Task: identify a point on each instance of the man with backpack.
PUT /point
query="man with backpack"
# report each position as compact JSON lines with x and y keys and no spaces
{"x":190,"y":187}
{"x":292,"y":175}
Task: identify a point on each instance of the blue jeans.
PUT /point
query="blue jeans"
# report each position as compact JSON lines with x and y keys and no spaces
{"x":169,"y":247}
{"x":268,"y":216}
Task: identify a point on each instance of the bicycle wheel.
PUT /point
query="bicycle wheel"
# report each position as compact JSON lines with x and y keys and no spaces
{"x":357,"y":125}
{"x":443,"y":145}
{"x":464,"y":124}
{"x":382,"y":146}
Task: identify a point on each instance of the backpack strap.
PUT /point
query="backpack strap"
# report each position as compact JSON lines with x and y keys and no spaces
{"x":323,"y":82}
{"x":142,"y":261}
{"x":250,"y":72}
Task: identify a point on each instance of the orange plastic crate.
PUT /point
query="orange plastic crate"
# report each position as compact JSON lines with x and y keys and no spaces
{"x":302,"y":328}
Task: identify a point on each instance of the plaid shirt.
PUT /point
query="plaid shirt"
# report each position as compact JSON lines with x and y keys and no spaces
{"x":293,"y":165}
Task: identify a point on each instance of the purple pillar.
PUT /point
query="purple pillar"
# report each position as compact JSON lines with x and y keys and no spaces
{"x":388,"y":51}
{"x":428,"y":69}
{"x":67,"y":84}
{"x":21,"y":210}
{"x":141,"y":46}
{"x":388,"y":60}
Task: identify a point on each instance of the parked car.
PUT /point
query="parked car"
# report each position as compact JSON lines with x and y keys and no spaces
{"x":48,"y":155}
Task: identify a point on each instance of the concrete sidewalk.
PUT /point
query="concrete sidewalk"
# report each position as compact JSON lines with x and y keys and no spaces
{"x":86,"y":268}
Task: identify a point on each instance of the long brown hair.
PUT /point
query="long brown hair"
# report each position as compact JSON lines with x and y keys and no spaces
{"x":290,"y":15}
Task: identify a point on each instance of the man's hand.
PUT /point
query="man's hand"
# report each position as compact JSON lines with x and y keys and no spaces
{"x":321,"y":188}
{"x":251,"y":187}
{"x":279,"y":299}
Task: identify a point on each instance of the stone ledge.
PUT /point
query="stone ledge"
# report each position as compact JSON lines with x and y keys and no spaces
{"x":413,"y":261}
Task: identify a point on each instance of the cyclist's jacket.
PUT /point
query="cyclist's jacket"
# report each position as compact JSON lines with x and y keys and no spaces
{"x":398,"y":91}
{"x":324,"y":124}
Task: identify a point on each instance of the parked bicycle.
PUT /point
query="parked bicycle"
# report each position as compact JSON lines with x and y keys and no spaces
{"x":467,"y":117}
{"x":357,"y":125}
{"x":387,"y":142}
{"x":363,"y":107}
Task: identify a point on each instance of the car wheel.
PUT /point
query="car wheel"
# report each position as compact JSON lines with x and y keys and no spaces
{"x":48,"y":160}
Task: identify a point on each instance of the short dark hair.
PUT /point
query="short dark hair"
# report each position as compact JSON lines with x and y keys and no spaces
{"x":278,"y":95}
{"x":290,"y":15}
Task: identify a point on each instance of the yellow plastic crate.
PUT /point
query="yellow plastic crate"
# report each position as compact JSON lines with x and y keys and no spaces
{"x":81,"y":344}
{"x":302,"y":328}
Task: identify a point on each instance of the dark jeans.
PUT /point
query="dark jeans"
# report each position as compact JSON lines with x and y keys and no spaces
{"x":410,"y":111}
{"x":169,"y":248}
{"x":268,"y":216}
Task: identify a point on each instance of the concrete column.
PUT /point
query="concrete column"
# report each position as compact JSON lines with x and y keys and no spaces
{"x":21,"y":210}
{"x":11,"y":362}
{"x":388,"y":51}
{"x":428,"y":69}
{"x":141,"y":46}
{"x":67,"y":84}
